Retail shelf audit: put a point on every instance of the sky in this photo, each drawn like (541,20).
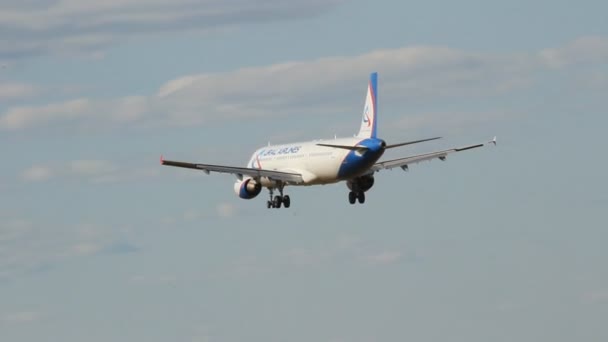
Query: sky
(98,242)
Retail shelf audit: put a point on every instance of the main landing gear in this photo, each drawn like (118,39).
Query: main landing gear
(358,186)
(354,196)
(278,200)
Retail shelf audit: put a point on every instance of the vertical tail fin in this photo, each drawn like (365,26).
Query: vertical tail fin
(370,111)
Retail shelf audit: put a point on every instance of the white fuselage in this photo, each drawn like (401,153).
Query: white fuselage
(316,164)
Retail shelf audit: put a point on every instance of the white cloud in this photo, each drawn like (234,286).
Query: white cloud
(385,257)
(202,334)
(91,167)
(14,228)
(222,210)
(156,279)
(36,27)
(37,173)
(307,257)
(344,249)
(585,50)
(226,210)
(248,266)
(86,248)
(326,85)
(505,305)
(176,85)
(89,113)
(289,88)
(347,242)
(596,296)
(11,91)
(21,117)
(448,121)
(192,215)
(20,317)
(91,170)
(27,246)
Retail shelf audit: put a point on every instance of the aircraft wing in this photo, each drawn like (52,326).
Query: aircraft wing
(287,177)
(404,162)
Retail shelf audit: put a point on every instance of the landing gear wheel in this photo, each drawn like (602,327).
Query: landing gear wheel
(352,197)
(269,204)
(361,197)
(286,201)
(276,203)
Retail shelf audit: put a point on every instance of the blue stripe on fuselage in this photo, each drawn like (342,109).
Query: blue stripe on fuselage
(355,163)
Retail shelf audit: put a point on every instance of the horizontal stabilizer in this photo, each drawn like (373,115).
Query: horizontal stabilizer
(411,142)
(345,147)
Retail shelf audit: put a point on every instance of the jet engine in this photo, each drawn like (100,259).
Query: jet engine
(362,183)
(247,188)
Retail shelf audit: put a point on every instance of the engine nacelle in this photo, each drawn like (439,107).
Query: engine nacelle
(247,188)
(362,183)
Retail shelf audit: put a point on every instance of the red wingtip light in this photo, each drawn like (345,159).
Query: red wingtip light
(161,159)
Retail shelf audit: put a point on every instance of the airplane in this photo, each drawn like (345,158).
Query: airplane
(351,160)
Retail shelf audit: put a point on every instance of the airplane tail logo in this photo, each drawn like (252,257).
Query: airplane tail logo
(368,125)
(366,118)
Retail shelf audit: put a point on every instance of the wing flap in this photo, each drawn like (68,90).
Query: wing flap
(441,155)
(239,171)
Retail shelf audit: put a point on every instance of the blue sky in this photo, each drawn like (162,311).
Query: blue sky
(100,243)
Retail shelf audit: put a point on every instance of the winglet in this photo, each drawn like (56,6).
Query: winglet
(162,161)
(494,141)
